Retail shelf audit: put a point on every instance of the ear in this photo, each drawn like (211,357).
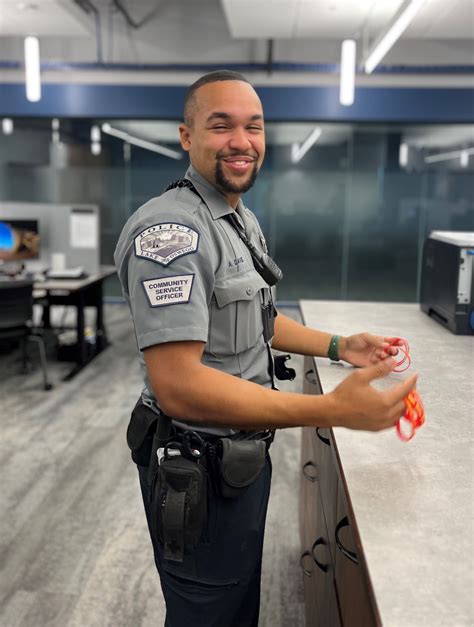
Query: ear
(185,136)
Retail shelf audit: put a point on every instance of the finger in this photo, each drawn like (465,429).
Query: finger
(398,392)
(385,353)
(380,369)
(377,341)
(398,413)
(393,341)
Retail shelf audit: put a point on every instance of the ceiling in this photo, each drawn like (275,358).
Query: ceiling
(340,19)
(43,18)
(219,31)
(245,19)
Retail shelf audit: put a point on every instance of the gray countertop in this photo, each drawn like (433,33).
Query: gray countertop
(413,502)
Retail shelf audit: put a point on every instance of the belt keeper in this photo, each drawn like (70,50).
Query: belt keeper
(333,350)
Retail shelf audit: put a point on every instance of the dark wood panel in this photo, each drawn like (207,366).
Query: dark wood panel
(321,441)
(311,382)
(328,610)
(308,493)
(316,562)
(351,580)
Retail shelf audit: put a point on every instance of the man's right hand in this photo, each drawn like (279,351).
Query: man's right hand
(356,404)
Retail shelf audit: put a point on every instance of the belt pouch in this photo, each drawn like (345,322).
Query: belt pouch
(140,432)
(179,505)
(240,464)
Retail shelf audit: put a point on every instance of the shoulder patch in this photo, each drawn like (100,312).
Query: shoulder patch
(169,290)
(165,242)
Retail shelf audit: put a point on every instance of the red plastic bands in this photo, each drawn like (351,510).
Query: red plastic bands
(414,415)
(402,346)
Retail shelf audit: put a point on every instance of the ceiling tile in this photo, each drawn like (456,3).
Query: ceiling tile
(43,18)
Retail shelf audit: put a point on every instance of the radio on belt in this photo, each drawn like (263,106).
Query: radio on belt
(447,287)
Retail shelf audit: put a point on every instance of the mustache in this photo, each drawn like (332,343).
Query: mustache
(237,153)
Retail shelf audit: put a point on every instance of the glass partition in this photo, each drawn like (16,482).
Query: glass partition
(345,220)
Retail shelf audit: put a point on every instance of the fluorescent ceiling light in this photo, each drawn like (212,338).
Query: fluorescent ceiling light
(95,140)
(299,150)
(402,19)
(95,133)
(464,158)
(446,156)
(32,69)
(96,148)
(403,155)
(55,134)
(348,63)
(141,143)
(7,126)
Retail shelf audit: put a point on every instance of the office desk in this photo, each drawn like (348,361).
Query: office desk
(387,525)
(79,293)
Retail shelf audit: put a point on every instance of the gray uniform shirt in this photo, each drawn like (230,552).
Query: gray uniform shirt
(187,275)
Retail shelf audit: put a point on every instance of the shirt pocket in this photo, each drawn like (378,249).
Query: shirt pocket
(236,316)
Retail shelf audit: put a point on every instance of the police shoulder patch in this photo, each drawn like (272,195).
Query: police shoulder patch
(165,242)
(169,290)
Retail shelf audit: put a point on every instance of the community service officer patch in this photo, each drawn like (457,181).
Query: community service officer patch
(169,290)
(165,242)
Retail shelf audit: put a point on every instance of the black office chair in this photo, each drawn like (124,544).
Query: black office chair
(16,315)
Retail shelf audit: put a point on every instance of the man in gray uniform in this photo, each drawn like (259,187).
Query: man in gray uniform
(195,272)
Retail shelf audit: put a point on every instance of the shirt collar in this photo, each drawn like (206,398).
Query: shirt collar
(216,202)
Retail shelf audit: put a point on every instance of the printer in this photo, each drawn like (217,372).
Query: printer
(447,287)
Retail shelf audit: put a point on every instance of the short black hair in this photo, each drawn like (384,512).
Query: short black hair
(210,77)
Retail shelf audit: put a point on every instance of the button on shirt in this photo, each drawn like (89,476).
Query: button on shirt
(187,275)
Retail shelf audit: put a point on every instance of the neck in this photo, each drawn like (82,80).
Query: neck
(233,200)
(231,197)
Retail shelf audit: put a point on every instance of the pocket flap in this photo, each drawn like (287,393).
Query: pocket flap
(238,287)
(242,461)
(142,421)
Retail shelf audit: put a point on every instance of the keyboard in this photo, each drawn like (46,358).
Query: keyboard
(66,273)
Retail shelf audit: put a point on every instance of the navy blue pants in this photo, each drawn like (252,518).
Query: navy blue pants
(218,585)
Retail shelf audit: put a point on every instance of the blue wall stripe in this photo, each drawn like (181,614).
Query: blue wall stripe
(277,66)
(372,104)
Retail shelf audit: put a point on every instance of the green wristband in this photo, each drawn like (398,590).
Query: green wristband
(333,350)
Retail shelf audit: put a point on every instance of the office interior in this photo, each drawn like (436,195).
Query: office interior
(347,198)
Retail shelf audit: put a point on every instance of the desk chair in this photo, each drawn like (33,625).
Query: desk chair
(16,314)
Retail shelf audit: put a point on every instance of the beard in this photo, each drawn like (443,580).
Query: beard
(240,187)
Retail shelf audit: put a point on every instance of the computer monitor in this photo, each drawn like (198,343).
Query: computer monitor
(19,239)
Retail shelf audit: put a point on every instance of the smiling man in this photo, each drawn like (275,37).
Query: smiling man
(196,274)
(224,146)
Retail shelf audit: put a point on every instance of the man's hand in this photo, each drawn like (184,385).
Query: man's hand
(365,349)
(357,405)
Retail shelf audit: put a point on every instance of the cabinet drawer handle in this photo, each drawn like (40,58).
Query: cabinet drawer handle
(326,441)
(319,541)
(307,474)
(349,554)
(311,377)
(308,573)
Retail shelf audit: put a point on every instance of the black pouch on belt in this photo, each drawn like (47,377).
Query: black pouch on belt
(179,505)
(240,463)
(140,432)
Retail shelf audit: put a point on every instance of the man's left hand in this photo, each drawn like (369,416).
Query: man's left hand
(365,349)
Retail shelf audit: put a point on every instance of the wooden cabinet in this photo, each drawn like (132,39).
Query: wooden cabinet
(356,600)
(316,559)
(337,589)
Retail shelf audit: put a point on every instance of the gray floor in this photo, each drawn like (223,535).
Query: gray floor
(74,549)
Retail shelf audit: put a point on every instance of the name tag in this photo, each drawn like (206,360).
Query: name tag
(170,290)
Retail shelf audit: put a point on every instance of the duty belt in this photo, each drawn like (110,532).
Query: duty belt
(194,445)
